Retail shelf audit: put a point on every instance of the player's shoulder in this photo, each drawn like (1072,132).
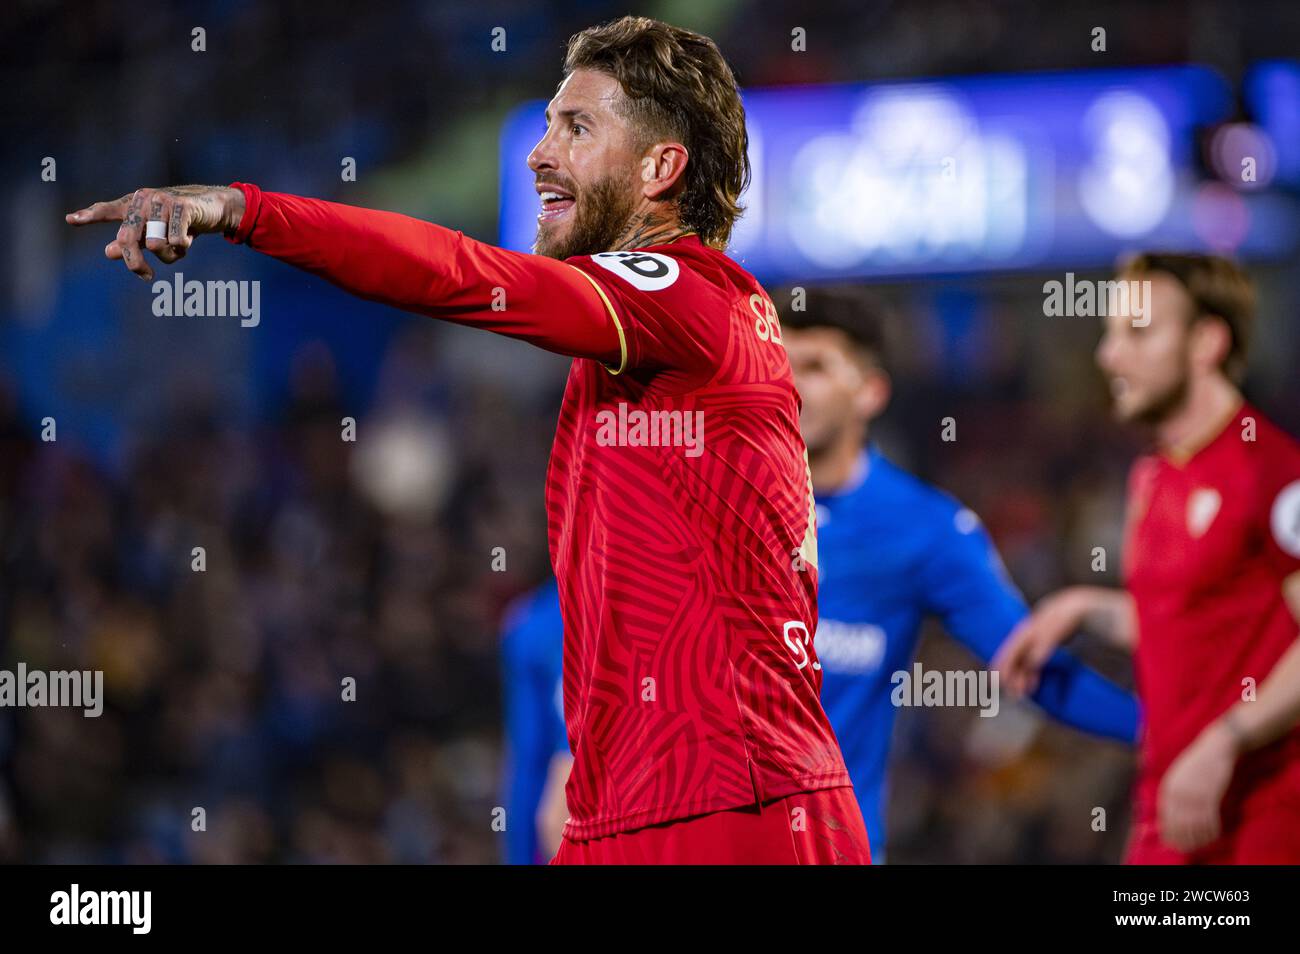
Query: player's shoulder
(1271,457)
(1255,454)
(918,502)
(1264,441)
(712,265)
(685,265)
(677,302)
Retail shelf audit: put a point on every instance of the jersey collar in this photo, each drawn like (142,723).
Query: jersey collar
(1182,454)
(861,468)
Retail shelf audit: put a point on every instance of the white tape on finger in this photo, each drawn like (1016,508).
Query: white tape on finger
(155,228)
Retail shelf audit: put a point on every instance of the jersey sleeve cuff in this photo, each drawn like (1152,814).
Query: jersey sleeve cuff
(252,208)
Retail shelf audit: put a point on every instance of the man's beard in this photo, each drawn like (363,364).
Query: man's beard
(824,440)
(1162,405)
(600,218)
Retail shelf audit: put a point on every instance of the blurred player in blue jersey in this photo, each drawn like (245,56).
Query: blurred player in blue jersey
(536,747)
(892,551)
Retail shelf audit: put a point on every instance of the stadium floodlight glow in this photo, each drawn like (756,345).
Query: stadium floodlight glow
(984,173)
(1127,185)
(1272,95)
(901,162)
(1243,155)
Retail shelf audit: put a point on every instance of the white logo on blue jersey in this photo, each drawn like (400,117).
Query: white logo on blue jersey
(850,648)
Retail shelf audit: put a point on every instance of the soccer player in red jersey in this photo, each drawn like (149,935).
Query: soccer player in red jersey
(1211,594)
(680,508)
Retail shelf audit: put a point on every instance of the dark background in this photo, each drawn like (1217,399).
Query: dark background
(328,559)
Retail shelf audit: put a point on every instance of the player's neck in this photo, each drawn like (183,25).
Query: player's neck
(834,467)
(1211,404)
(649,227)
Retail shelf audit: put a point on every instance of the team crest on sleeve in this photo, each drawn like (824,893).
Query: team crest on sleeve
(1285,519)
(648,271)
(1202,507)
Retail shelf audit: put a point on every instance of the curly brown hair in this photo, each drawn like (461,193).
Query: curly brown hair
(678,87)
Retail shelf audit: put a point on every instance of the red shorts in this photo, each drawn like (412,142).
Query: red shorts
(812,828)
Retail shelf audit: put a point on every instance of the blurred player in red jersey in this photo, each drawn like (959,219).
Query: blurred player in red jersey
(680,508)
(1211,575)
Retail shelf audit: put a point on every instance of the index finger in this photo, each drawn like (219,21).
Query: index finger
(112,211)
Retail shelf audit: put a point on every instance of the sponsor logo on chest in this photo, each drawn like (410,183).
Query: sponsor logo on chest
(850,648)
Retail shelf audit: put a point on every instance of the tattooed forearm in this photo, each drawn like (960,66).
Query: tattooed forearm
(208,198)
(192,189)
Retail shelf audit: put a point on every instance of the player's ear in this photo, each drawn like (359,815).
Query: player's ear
(1211,342)
(663,170)
(873,396)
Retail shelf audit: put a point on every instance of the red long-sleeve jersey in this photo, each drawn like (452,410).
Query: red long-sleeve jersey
(681,520)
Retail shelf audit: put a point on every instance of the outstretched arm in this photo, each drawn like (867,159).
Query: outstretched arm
(1081,698)
(380,256)
(1106,612)
(969,590)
